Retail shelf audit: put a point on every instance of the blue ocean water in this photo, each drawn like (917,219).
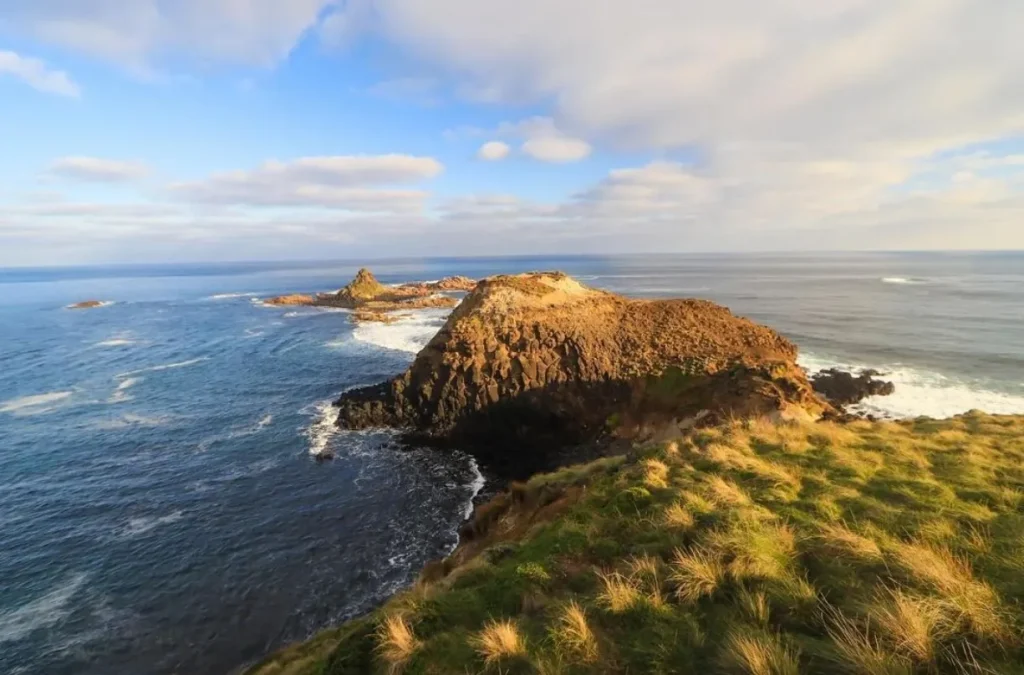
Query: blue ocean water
(160,510)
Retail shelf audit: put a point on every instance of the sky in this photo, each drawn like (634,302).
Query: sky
(206,130)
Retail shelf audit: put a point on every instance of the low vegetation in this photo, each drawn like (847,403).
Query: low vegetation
(753,548)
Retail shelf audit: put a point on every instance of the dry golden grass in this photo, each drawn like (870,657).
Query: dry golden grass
(396,642)
(696,574)
(726,492)
(758,550)
(499,640)
(655,474)
(913,625)
(573,634)
(619,594)
(974,603)
(841,540)
(858,652)
(758,653)
(755,606)
(676,516)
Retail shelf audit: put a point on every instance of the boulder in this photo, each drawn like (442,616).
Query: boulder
(454,283)
(534,361)
(842,388)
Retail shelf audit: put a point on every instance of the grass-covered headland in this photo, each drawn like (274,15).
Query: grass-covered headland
(874,548)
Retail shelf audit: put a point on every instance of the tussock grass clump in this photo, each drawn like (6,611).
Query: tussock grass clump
(620,594)
(869,548)
(499,640)
(696,574)
(756,652)
(396,642)
(573,635)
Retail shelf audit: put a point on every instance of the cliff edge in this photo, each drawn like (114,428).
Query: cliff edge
(535,360)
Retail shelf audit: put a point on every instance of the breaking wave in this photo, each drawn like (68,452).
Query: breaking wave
(121,394)
(409,334)
(923,393)
(902,280)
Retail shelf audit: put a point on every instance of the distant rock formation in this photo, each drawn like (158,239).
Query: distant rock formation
(374,299)
(534,360)
(369,316)
(288,300)
(88,304)
(455,283)
(842,388)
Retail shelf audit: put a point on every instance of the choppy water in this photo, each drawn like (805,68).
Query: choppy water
(159,508)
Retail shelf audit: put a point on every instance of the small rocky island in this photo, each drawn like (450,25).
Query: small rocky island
(89,304)
(534,362)
(373,301)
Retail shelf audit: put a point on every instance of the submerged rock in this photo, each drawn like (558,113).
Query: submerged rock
(532,361)
(843,388)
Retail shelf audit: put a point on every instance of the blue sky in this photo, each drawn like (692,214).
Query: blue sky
(254,129)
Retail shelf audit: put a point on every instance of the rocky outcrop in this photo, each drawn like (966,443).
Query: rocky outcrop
(366,293)
(369,316)
(842,388)
(537,360)
(88,304)
(290,300)
(455,283)
(373,299)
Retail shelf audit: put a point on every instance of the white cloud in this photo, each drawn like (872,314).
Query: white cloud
(38,75)
(100,170)
(662,73)
(556,149)
(249,32)
(493,151)
(332,182)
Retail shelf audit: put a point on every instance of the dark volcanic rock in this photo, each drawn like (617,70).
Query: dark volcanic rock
(530,362)
(842,388)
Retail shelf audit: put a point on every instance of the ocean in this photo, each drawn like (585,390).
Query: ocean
(160,509)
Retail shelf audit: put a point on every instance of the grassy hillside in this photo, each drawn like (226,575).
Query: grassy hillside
(884,548)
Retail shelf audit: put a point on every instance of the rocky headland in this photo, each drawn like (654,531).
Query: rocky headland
(533,362)
(373,301)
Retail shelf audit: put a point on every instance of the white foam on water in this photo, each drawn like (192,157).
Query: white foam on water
(138,526)
(131,420)
(902,280)
(166,366)
(117,340)
(250,333)
(475,486)
(323,428)
(409,335)
(121,394)
(229,296)
(237,432)
(922,392)
(36,404)
(42,612)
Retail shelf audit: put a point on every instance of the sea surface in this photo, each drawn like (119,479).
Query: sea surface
(160,508)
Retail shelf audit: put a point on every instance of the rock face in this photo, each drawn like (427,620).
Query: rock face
(842,388)
(530,361)
(87,304)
